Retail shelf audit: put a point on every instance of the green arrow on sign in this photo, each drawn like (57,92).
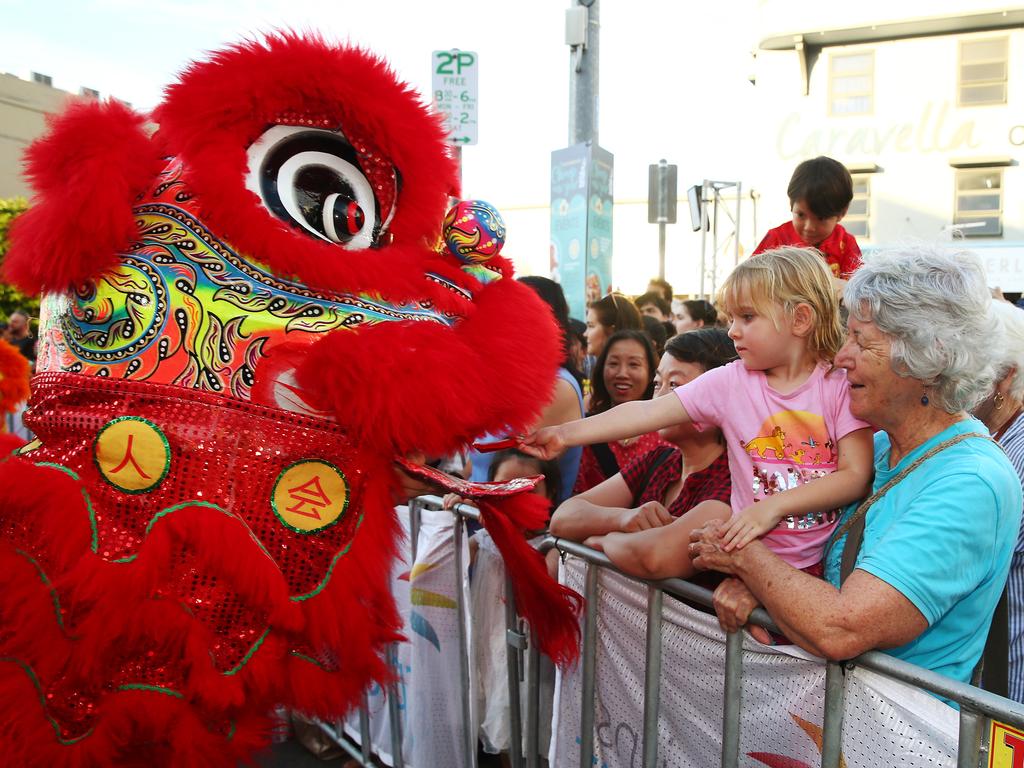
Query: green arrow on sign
(461,140)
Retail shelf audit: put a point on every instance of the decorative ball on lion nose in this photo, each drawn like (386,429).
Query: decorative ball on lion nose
(474,231)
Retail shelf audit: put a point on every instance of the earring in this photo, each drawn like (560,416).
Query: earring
(998,400)
(924,399)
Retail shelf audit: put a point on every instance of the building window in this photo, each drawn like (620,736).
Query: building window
(983,66)
(858,216)
(979,202)
(851,83)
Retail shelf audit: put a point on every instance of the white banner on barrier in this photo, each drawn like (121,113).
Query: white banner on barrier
(885,723)
(429,691)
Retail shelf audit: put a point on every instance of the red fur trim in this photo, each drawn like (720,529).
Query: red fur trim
(354,617)
(13,377)
(120,611)
(87,171)
(552,609)
(27,603)
(434,388)
(132,728)
(221,106)
(9,443)
(43,512)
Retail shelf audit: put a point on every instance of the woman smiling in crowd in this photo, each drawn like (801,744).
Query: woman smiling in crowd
(624,372)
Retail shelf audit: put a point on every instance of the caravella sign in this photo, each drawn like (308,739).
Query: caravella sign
(933,131)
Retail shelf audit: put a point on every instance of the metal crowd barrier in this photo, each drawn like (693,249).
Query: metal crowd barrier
(977,706)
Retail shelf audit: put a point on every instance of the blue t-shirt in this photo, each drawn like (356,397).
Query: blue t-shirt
(568,465)
(943,537)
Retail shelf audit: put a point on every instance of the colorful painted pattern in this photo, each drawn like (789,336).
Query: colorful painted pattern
(183,308)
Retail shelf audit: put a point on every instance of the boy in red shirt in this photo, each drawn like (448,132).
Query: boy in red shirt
(820,191)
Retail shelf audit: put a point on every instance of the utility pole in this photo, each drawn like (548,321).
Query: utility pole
(582,34)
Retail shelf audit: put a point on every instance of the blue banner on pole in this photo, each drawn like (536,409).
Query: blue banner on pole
(581,223)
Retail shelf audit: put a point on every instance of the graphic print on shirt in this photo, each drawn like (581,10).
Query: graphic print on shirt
(791,448)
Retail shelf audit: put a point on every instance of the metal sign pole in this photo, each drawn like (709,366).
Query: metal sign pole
(584,74)
(703,234)
(662,214)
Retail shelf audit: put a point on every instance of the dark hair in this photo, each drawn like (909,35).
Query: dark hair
(552,295)
(600,399)
(547,467)
(707,347)
(702,310)
(825,186)
(664,288)
(654,297)
(655,331)
(617,312)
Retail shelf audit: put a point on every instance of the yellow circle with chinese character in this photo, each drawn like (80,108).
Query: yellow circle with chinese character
(132,454)
(309,496)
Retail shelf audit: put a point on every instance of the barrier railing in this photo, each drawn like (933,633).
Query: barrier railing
(977,707)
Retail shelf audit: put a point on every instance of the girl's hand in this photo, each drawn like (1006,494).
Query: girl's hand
(594,542)
(450,501)
(650,514)
(546,443)
(752,523)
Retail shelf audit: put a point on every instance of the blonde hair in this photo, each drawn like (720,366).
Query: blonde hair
(786,277)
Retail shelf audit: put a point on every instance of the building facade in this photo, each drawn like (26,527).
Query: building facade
(927,113)
(24,105)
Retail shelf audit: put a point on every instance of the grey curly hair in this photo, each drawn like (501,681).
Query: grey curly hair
(1011,353)
(934,304)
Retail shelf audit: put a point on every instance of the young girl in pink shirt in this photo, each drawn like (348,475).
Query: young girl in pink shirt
(796,454)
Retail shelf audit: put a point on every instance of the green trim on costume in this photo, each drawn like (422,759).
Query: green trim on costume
(153,688)
(49,585)
(205,505)
(95,545)
(245,659)
(311,660)
(330,569)
(42,700)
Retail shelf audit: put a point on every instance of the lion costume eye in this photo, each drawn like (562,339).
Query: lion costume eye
(312,178)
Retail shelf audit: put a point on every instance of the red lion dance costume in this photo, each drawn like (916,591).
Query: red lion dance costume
(247,319)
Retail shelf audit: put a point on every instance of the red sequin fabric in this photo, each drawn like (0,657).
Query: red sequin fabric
(186,544)
(225,453)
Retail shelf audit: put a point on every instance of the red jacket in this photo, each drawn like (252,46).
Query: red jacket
(840,248)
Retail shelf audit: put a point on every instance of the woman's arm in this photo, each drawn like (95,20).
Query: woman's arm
(866,613)
(622,421)
(850,482)
(661,553)
(563,406)
(603,509)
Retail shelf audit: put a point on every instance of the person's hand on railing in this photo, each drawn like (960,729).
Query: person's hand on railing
(733,604)
(452,500)
(650,514)
(545,443)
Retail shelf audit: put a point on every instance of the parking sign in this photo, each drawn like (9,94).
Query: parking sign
(454,80)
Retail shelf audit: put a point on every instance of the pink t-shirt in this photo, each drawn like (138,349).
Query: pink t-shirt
(777,442)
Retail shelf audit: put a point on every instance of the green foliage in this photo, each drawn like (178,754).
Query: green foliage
(10,297)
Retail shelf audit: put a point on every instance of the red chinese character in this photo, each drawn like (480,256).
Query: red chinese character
(130,459)
(309,493)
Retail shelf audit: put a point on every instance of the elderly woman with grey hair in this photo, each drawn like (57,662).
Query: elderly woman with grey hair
(1001,413)
(917,568)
